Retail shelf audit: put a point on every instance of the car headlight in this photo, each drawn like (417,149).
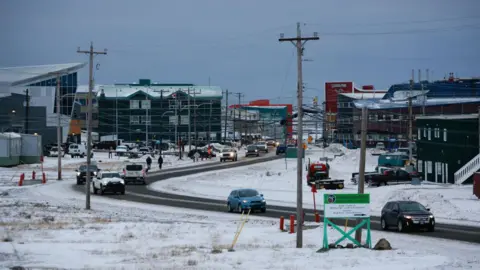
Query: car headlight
(94,173)
(244,201)
(256,150)
(231,154)
(407,217)
(431,216)
(263,201)
(78,173)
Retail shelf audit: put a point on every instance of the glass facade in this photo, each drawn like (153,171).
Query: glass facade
(68,88)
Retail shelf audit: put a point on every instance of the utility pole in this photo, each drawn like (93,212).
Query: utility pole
(116,116)
(361,175)
(59,131)
(478,129)
(195,117)
(226,117)
(91,53)
(410,118)
(146,121)
(189,120)
(27,110)
(299,42)
(239,95)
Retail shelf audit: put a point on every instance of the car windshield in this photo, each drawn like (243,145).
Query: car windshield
(111,175)
(54,149)
(413,206)
(260,143)
(247,193)
(281,145)
(91,168)
(227,150)
(290,145)
(134,167)
(251,147)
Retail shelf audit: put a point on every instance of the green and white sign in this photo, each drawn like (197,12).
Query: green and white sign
(346,205)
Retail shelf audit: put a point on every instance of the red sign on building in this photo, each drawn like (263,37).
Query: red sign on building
(331,92)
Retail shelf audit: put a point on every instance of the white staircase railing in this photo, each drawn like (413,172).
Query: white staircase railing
(467,170)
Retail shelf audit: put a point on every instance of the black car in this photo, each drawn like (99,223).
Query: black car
(407,215)
(82,173)
(202,153)
(252,151)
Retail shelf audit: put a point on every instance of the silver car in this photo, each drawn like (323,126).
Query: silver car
(262,146)
(228,154)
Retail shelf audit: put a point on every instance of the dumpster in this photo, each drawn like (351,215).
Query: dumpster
(476,184)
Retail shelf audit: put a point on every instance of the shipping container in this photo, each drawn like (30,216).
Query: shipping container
(10,149)
(31,149)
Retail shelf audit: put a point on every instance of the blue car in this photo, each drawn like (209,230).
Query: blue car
(243,199)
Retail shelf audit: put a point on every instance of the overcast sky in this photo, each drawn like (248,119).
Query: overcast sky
(235,43)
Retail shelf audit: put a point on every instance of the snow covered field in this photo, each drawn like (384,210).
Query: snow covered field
(10,176)
(46,227)
(277,181)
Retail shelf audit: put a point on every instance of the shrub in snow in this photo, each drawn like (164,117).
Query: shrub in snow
(382,244)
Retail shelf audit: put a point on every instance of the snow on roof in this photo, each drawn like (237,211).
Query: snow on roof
(10,135)
(449,117)
(124,91)
(370,95)
(388,104)
(84,88)
(30,74)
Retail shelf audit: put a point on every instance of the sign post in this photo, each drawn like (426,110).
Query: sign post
(346,206)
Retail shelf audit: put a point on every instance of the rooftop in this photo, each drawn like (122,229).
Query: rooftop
(364,95)
(389,104)
(450,117)
(124,91)
(17,76)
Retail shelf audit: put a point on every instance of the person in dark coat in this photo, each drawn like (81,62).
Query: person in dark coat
(160,162)
(149,162)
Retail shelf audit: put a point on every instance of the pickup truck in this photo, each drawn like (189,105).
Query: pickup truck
(397,176)
(378,170)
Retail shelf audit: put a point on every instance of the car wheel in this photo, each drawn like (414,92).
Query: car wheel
(229,207)
(82,156)
(383,224)
(239,208)
(79,182)
(123,192)
(95,190)
(263,210)
(102,191)
(400,226)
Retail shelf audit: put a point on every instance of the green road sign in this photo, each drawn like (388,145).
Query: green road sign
(346,198)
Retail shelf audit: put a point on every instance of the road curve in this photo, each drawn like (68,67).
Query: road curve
(140,193)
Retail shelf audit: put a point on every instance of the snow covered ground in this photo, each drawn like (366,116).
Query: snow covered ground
(277,181)
(46,227)
(11,176)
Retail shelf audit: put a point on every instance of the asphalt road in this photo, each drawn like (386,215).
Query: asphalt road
(140,193)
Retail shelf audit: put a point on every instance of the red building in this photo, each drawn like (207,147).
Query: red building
(332,89)
(266,103)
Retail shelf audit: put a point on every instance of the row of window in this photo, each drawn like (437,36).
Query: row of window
(427,133)
(140,104)
(440,171)
(372,118)
(172,104)
(140,119)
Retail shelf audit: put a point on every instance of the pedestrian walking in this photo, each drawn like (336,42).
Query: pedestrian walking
(149,162)
(160,162)
(110,152)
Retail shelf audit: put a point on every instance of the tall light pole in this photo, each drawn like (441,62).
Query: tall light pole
(146,119)
(189,118)
(116,116)
(299,41)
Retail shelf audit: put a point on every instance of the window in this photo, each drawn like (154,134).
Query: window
(134,119)
(429,167)
(145,119)
(134,104)
(429,134)
(436,132)
(146,104)
(419,133)
(438,168)
(424,132)
(445,134)
(420,166)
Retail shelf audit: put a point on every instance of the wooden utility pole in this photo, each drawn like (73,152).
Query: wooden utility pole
(91,53)
(239,95)
(410,118)
(361,174)
(299,42)
(27,110)
(226,117)
(59,131)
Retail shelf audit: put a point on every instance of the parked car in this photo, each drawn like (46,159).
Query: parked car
(252,151)
(203,153)
(281,149)
(134,173)
(82,173)
(108,181)
(54,152)
(394,159)
(229,154)
(243,199)
(121,150)
(406,215)
(262,146)
(145,150)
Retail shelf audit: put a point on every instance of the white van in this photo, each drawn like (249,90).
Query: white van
(77,150)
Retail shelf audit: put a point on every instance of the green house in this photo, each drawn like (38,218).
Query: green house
(445,144)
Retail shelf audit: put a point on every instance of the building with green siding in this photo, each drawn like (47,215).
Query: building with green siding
(445,144)
(155,111)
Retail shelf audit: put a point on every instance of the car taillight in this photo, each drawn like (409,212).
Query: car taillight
(385,173)
(124,172)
